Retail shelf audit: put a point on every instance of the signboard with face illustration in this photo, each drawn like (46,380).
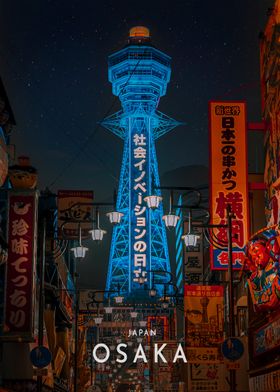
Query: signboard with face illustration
(262,269)
(74,206)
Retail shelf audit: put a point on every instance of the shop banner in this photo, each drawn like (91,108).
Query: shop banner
(204,316)
(21,268)
(228,179)
(74,206)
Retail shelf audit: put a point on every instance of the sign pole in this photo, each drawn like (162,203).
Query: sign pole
(41,298)
(76,340)
(232,373)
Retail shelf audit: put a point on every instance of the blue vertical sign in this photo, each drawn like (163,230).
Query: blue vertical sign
(139,171)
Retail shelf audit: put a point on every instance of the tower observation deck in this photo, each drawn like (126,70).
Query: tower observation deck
(139,74)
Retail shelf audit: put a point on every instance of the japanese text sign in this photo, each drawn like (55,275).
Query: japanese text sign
(74,206)
(20,272)
(229,179)
(204,316)
(193,259)
(139,158)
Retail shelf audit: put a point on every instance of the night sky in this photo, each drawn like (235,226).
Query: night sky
(53,62)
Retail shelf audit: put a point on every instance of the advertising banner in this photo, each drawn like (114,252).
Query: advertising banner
(204,317)
(228,179)
(21,269)
(74,206)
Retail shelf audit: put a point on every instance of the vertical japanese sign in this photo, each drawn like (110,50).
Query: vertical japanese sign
(71,206)
(21,267)
(139,158)
(229,179)
(204,322)
(193,259)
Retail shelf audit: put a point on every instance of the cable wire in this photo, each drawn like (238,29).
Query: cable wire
(92,134)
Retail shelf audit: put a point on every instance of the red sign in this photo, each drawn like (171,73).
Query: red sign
(20,272)
(229,180)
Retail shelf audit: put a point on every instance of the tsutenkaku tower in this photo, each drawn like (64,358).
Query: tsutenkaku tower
(139,74)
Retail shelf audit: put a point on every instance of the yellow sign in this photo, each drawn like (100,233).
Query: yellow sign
(203,355)
(228,179)
(204,318)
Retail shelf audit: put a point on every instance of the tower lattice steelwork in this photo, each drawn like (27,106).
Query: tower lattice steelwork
(139,74)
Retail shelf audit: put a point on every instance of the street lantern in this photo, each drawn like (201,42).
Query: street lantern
(142,323)
(97,233)
(171,220)
(133,314)
(115,217)
(108,310)
(153,201)
(80,250)
(98,320)
(190,239)
(119,299)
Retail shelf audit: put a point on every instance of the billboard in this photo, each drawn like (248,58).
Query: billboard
(204,323)
(228,179)
(74,206)
(21,268)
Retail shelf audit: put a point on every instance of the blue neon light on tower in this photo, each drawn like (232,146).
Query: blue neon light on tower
(139,74)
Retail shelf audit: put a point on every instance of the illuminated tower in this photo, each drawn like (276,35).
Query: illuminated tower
(139,74)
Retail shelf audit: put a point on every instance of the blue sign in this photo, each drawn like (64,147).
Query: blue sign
(40,356)
(232,349)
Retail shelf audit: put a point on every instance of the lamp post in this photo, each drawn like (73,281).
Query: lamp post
(79,254)
(190,239)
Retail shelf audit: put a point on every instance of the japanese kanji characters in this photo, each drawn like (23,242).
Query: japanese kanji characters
(19,290)
(139,144)
(229,180)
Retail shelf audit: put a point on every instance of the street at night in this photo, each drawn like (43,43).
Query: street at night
(140,196)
